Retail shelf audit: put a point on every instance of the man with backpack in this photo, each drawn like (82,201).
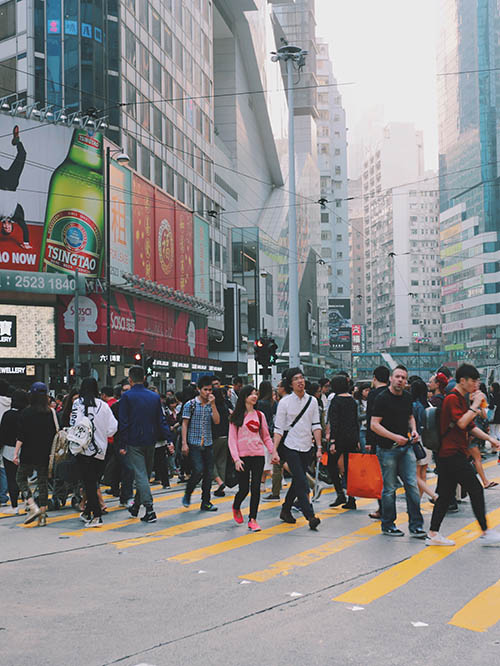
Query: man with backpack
(142,424)
(198,415)
(456,424)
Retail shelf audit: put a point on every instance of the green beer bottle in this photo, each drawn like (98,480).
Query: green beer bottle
(74,218)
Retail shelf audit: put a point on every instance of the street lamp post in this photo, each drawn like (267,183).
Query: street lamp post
(291,55)
(121,158)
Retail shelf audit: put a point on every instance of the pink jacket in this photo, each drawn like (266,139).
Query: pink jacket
(249,440)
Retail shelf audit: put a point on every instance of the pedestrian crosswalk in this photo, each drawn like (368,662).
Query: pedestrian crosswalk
(121,532)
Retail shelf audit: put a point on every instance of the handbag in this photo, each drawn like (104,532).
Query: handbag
(419,451)
(59,450)
(281,447)
(364,477)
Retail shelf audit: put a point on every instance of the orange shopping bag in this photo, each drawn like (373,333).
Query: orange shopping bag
(364,478)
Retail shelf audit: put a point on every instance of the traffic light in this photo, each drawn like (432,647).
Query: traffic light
(265,352)
(72,372)
(149,365)
(259,351)
(138,358)
(273,351)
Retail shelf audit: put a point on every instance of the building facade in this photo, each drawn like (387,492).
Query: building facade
(468,178)
(400,213)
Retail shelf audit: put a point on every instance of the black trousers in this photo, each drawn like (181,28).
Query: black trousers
(90,471)
(13,488)
(249,479)
(298,463)
(161,466)
(452,470)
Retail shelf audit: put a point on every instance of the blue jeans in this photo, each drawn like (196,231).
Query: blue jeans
(3,486)
(362,440)
(202,464)
(141,460)
(399,462)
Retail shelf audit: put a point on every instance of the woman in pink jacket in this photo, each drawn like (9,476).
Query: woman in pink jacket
(248,434)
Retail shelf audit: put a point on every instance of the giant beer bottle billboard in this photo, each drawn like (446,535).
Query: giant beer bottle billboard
(74,216)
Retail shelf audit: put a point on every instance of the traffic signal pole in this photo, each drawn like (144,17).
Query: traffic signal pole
(76,326)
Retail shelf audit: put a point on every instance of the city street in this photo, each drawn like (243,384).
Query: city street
(196,588)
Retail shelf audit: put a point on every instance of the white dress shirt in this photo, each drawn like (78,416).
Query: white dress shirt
(300,436)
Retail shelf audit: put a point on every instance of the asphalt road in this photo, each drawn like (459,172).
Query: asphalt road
(196,588)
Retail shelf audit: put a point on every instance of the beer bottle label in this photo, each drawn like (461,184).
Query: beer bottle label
(73,242)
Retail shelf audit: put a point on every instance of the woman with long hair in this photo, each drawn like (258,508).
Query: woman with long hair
(37,427)
(91,461)
(248,435)
(342,436)
(9,427)
(419,391)
(67,405)
(219,436)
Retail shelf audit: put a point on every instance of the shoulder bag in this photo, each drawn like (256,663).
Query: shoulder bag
(59,450)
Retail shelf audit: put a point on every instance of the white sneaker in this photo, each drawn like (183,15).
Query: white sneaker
(10,510)
(491,538)
(95,522)
(438,540)
(33,511)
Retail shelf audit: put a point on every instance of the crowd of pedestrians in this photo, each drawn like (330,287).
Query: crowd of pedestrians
(223,437)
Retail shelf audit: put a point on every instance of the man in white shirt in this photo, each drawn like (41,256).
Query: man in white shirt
(296,450)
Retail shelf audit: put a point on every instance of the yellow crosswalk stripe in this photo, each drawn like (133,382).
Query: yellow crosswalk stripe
(480,613)
(171,512)
(312,555)
(402,573)
(71,516)
(238,542)
(106,527)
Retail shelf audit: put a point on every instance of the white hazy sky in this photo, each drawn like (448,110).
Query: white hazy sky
(388,48)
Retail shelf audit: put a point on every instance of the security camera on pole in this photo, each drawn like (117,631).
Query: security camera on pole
(294,56)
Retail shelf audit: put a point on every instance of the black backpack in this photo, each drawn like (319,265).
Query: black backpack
(431,428)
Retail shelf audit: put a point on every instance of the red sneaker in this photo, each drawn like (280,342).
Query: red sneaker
(237,516)
(253,525)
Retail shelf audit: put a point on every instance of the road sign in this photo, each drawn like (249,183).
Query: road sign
(40,283)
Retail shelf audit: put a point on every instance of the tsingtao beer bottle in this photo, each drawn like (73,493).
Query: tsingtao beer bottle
(74,218)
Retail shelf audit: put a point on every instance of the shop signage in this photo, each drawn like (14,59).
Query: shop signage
(8,328)
(39,283)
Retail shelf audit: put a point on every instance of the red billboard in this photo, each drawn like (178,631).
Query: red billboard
(143,198)
(133,321)
(184,250)
(165,239)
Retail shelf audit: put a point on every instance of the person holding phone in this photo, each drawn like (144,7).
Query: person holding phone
(394,424)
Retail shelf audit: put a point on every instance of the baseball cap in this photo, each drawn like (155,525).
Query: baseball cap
(39,387)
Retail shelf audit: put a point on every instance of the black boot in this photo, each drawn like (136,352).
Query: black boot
(341,499)
(350,504)
(286,516)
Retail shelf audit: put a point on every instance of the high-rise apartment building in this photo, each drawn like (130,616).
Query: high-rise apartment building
(400,213)
(469,105)
(356,252)
(332,158)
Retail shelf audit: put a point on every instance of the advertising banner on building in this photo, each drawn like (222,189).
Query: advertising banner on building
(184,273)
(358,339)
(201,259)
(165,239)
(51,198)
(121,222)
(339,324)
(143,227)
(27,332)
(134,321)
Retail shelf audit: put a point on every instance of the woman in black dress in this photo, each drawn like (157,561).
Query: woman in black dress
(343,437)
